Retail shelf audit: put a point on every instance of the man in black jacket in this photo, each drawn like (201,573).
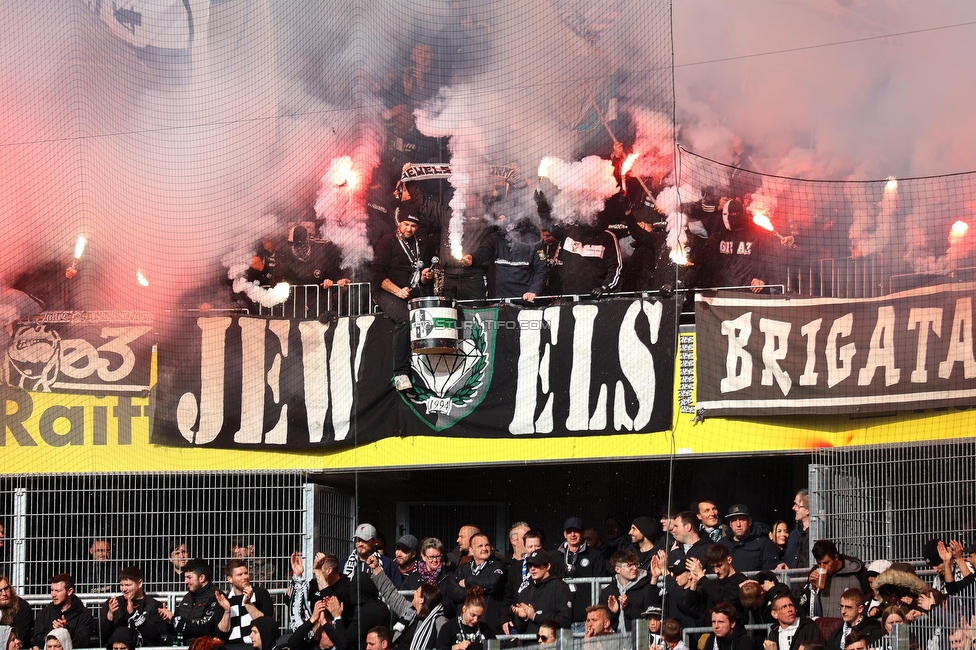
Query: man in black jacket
(401,265)
(133,611)
(789,630)
(15,611)
(725,587)
(546,599)
(485,571)
(631,592)
(202,612)
(574,559)
(64,611)
(727,633)
(750,546)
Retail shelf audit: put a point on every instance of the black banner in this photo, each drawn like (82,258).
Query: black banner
(762,355)
(571,370)
(99,352)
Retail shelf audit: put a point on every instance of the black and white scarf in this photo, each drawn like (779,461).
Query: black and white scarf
(426,629)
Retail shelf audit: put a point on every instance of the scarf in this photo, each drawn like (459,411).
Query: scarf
(353,564)
(525,577)
(425,629)
(427,575)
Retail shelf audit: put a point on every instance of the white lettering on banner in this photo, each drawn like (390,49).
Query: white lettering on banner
(775,348)
(533,370)
(637,366)
(840,357)
(960,342)
(924,319)
(579,378)
(315,363)
(738,362)
(810,330)
(210,410)
(119,338)
(839,361)
(253,380)
(882,352)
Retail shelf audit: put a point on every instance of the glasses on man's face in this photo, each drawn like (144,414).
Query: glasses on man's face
(543,638)
(4,589)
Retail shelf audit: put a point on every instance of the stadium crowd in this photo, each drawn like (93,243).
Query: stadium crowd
(687,569)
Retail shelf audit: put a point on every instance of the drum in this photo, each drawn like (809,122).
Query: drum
(433,325)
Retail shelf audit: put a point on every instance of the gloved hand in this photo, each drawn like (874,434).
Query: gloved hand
(598,292)
(667,290)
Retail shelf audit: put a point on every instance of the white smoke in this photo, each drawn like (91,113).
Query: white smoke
(582,188)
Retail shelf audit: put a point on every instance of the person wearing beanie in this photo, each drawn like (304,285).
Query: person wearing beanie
(264,633)
(642,536)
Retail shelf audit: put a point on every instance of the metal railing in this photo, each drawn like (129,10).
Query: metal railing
(312,301)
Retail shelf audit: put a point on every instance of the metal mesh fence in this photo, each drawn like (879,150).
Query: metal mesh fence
(91,526)
(887,501)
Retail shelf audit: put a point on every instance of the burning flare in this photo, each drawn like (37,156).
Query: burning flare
(892,184)
(141,278)
(958,231)
(761,220)
(628,164)
(544,167)
(80,246)
(342,174)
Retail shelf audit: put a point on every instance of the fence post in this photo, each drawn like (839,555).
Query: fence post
(565,639)
(899,637)
(308,525)
(642,636)
(19,560)
(493,644)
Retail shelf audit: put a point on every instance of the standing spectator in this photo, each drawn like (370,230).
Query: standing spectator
(516,261)
(484,571)
(546,598)
(682,601)
(170,573)
(725,588)
(64,612)
(843,572)
(797,553)
(199,613)
(576,560)
(15,611)
(405,556)
(684,529)
(99,572)
(711,529)
(515,534)
(246,601)
(431,567)
(134,612)
(462,552)
(259,569)
(597,621)
(779,533)
(418,621)
(631,592)
(519,578)
(750,546)
(789,630)
(401,264)
(642,537)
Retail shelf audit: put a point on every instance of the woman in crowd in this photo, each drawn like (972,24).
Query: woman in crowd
(467,631)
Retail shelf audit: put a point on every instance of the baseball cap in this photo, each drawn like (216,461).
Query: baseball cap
(364,532)
(573,522)
(408,543)
(538,557)
(738,510)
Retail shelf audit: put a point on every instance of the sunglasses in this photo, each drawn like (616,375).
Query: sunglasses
(543,638)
